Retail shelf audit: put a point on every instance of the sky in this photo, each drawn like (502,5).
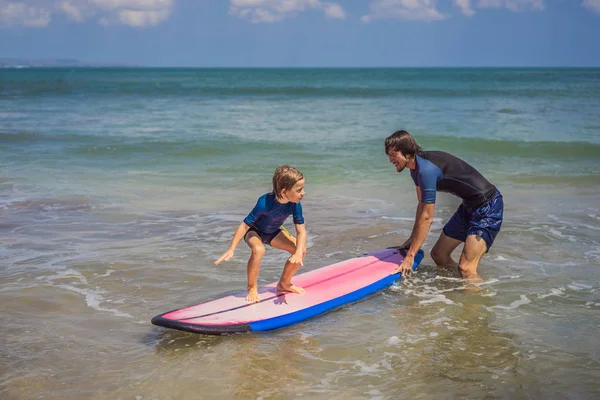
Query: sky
(305,33)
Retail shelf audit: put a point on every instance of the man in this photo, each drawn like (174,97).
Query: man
(477,220)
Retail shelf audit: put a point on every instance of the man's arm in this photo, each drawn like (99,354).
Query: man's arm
(423,221)
(419,210)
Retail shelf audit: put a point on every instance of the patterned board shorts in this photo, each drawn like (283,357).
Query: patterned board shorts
(484,221)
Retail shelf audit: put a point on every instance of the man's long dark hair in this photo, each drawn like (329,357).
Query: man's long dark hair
(403,142)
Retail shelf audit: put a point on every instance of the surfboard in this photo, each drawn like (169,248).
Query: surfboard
(326,288)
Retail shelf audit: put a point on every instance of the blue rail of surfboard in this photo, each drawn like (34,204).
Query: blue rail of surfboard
(299,316)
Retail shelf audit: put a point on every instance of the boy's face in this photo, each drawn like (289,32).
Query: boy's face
(296,193)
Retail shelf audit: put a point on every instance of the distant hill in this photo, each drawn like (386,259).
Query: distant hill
(54,62)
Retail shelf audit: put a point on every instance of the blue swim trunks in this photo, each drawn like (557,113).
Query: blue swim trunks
(484,221)
(266,238)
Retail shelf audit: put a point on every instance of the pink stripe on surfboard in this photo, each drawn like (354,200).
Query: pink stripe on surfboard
(321,285)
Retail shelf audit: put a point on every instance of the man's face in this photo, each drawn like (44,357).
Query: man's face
(398,159)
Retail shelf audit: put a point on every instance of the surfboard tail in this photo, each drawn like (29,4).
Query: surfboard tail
(218,330)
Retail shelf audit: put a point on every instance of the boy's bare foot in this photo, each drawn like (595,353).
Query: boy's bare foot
(252,296)
(290,288)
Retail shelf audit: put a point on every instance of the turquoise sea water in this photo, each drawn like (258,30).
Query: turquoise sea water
(120,187)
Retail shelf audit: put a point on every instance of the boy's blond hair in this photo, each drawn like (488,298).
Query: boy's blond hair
(285,177)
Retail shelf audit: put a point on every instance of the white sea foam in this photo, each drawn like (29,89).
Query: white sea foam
(515,304)
(447,278)
(393,341)
(439,298)
(439,321)
(488,282)
(489,294)
(398,218)
(374,394)
(553,292)
(183,231)
(65,274)
(107,273)
(577,286)
(93,298)
(559,234)
(594,254)
(373,369)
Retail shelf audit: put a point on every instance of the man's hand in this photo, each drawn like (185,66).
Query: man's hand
(406,266)
(228,255)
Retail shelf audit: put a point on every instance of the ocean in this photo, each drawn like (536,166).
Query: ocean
(119,188)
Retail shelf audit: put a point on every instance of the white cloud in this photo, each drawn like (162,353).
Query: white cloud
(72,11)
(424,10)
(333,10)
(39,13)
(513,5)
(275,10)
(141,18)
(12,13)
(465,7)
(592,5)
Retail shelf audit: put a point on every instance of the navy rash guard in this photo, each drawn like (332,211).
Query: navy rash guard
(437,170)
(268,214)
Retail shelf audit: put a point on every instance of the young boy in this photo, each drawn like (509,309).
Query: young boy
(264,226)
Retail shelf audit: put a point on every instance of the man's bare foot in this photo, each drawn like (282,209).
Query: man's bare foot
(252,296)
(290,288)
(472,285)
(473,278)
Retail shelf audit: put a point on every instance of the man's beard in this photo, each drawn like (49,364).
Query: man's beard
(403,167)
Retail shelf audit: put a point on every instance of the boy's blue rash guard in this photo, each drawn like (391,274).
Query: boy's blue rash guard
(437,170)
(268,214)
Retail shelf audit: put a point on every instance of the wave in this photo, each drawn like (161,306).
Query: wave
(299,92)
(507,147)
(509,111)
(90,145)
(21,137)
(304,83)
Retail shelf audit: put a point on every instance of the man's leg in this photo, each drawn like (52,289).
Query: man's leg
(475,248)
(483,228)
(442,251)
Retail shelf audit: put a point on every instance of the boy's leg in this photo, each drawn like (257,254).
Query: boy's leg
(288,243)
(258,251)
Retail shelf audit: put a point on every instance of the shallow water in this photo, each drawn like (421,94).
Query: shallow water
(116,197)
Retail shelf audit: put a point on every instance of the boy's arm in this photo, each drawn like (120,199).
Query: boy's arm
(298,256)
(239,234)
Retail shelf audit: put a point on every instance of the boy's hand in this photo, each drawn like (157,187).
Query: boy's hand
(296,259)
(228,255)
